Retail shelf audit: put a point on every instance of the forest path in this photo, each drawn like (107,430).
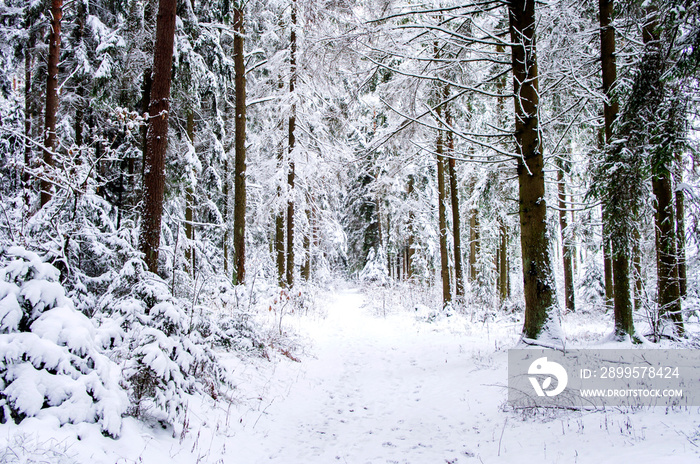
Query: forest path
(380,389)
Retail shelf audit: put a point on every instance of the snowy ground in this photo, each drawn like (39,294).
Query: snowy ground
(377,386)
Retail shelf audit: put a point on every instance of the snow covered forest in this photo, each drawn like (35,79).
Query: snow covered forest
(258,230)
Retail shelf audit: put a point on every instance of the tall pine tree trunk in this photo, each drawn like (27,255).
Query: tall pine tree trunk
(409,248)
(51,97)
(619,249)
(292,141)
(541,308)
(239,206)
(157,137)
(680,229)
(567,249)
(442,220)
(27,119)
(189,207)
(503,261)
(454,197)
(610,110)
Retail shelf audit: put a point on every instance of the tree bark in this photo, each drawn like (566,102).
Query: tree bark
(51,98)
(410,246)
(666,265)
(503,262)
(567,249)
(454,200)
(610,111)
(442,220)
(541,308)
(280,255)
(474,244)
(157,138)
(239,206)
(27,116)
(189,207)
(680,228)
(292,141)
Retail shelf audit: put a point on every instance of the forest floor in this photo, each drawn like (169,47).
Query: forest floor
(374,384)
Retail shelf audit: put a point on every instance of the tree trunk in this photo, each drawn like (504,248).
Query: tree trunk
(667,269)
(51,98)
(239,206)
(680,228)
(608,268)
(409,249)
(541,308)
(454,197)
(610,111)
(292,140)
(637,268)
(442,221)
(503,262)
(280,255)
(27,119)
(306,267)
(567,249)
(474,244)
(189,207)
(157,138)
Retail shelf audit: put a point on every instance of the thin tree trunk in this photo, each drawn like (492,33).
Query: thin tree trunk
(410,250)
(51,97)
(637,268)
(442,220)
(292,141)
(608,268)
(280,255)
(454,197)
(157,138)
(27,120)
(189,206)
(567,249)
(474,245)
(680,229)
(503,262)
(239,206)
(541,308)
(306,267)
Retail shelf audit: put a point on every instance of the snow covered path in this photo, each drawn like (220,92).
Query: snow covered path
(389,389)
(379,391)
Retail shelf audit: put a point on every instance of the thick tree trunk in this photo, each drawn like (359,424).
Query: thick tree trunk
(157,138)
(292,141)
(454,200)
(610,110)
(541,308)
(567,249)
(239,206)
(189,207)
(666,257)
(51,98)
(280,255)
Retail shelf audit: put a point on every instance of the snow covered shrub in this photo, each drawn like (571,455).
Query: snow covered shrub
(161,345)
(592,286)
(375,270)
(50,363)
